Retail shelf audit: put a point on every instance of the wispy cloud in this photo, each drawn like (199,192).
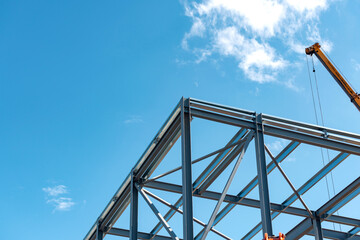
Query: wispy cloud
(61,203)
(53,197)
(277,145)
(56,190)
(251,31)
(133,119)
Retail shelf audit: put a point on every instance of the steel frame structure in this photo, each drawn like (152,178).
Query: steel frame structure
(252,127)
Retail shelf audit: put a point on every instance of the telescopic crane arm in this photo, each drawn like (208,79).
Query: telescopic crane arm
(354,97)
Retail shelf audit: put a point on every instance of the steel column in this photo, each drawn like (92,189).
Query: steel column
(99,232)
(317,227)
(133,211)
(262,177)
(188,228)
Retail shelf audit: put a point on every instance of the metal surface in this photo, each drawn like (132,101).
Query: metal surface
(188,229)
(133,210)
(158,214)
(226,188)
(262,176)
(252,129)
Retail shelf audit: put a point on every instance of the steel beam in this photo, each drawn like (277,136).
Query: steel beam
(225,156)
(327,209)
(336,235)
(226,188)
(158,214)
(254,182)
(188,228)
(289,182)
(316,221)
(340,199)
(302,190)
(141,235)
(133,211)
(273,130)
(153,155)
(180,211)
(219,169)
(179,124)
(262,177)
(99,232)
(354,230)
(248,202)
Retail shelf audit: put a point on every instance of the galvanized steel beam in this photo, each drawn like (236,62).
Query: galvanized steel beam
(262,176)
(179,124)
(327,209)
(226,188)
(336,235)
(141,235)
(188,228)
(225,156)
(133,211)
(302,190)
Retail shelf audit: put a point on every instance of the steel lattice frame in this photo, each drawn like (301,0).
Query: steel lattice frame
(253,127)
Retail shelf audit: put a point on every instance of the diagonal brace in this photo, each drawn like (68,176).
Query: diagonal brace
(288,181)
(226,188)
(157,213)
(181,212)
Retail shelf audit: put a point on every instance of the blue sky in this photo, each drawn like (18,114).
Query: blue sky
(85,85)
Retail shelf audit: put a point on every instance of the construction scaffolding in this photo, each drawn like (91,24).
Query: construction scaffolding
(252,127)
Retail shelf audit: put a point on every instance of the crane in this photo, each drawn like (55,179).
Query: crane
(350,92)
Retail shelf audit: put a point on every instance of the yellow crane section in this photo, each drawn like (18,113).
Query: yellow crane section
(354,96)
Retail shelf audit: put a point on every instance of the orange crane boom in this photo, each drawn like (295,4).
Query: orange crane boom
(354,96)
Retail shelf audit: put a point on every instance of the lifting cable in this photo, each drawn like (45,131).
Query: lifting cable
(322,123)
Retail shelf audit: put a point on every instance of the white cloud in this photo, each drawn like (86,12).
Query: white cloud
(255,59)
(56,190)
(309,7)
(61,203)
(53,198)
(134,119)
(252,31)
(247,12)
(277,145)
(197,29)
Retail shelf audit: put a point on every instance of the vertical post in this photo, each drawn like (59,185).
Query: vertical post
(133,210)
(186,171)
(262,176)
(317,227)
(99,232)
